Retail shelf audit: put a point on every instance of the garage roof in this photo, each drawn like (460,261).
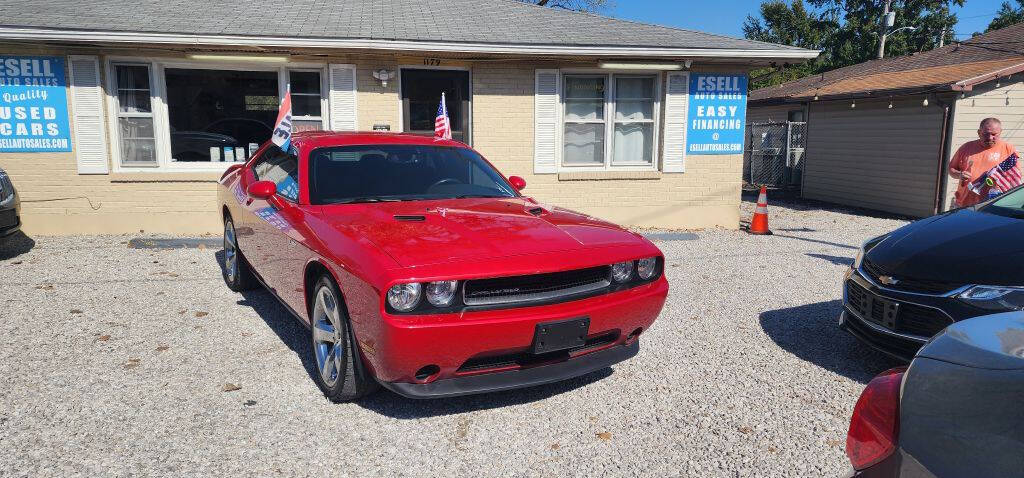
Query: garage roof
(957,67)
(454,25)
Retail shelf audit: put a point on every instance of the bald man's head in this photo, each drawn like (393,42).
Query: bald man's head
(989,131)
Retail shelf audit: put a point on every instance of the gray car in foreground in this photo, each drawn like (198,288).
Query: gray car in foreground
(958,410)
(10,206)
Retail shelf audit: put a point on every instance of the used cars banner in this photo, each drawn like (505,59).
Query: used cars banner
(33,105)
(717,113)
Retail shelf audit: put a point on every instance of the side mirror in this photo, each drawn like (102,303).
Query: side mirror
(262,190)
(517,182)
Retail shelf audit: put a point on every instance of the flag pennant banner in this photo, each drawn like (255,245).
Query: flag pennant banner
(1006,175)
(442,124)
(282,135)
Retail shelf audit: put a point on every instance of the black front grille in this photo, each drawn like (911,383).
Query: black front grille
(908,284)
(904,348)
(523,359)
(8,218)
(534,287)
(922,321)
(900,317)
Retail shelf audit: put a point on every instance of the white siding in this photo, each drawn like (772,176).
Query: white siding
(1005,103)
(873,156)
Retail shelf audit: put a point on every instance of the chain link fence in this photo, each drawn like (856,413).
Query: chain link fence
(774,156)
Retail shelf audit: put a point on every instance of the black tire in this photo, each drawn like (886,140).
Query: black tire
(344,379)
(236,270)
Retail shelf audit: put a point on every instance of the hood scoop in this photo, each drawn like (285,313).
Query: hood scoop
(410,218)
(537,211)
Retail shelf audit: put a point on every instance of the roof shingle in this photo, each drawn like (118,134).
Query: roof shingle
(938,68)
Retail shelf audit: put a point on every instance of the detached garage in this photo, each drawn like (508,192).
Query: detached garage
(880,134)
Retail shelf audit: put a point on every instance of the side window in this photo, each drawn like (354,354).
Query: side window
(283,169)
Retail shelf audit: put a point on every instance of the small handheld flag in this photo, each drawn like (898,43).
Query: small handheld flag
(442,125)
(1006,174)
(282,135)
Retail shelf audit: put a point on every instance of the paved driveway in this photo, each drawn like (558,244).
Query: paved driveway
(121,361)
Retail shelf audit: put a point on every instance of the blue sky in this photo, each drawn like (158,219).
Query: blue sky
(726,17)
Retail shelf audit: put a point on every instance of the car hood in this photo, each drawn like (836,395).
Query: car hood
(964,246)
(417,233)
(991,341)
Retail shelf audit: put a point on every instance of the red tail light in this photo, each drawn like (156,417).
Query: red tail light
(875,424)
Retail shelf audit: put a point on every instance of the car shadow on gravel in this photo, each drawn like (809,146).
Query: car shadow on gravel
(15,245)
(811,332)
(296,337)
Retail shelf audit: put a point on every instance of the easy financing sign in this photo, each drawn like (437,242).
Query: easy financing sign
(33,105)
(717,114)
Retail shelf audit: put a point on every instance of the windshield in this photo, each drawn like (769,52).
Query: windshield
(1010,204)
(371,173)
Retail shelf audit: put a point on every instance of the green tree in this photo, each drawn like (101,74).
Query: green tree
(847,31)
(1007,15)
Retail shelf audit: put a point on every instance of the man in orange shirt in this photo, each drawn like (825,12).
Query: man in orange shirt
(976,158)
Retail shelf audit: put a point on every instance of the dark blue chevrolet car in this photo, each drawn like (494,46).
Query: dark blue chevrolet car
(10,206)
(906,286)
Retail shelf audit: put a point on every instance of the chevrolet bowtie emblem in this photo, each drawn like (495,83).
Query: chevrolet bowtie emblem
(888,280)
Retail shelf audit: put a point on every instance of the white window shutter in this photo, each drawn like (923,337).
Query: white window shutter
(87,109)
(545,125)
(673,156)
(343,97)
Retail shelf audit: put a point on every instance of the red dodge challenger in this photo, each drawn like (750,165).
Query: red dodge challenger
(419,267)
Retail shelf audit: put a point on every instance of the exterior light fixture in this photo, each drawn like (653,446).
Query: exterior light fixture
(383,76)
(687,64)
(642,66)
(890,104)
(854,104)
(925,102)
(241,58)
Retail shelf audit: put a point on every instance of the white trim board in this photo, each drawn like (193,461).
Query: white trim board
(42,34)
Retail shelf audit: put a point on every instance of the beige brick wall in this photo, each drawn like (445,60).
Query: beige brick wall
(57,200)
(706,195)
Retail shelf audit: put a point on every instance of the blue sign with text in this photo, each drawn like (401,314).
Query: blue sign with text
(717,114)
(33,105)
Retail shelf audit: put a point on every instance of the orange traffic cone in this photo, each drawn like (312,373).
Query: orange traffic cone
(759,223)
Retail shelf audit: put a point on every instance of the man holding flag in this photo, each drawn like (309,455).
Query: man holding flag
(988,157)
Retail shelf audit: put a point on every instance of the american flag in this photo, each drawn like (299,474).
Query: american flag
(442,125)
(1006,174)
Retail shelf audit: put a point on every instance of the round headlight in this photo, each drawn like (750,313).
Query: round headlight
(645,267)
(405,297)
(441,293)
(622,271)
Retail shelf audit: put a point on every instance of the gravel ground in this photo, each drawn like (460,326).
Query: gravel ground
(122,362)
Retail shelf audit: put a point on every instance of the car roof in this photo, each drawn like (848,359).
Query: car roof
(317,139)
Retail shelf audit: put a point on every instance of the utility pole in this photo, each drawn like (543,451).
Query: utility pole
(942,37)
(888,20)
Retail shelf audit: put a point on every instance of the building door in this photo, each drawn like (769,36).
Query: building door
(421,96)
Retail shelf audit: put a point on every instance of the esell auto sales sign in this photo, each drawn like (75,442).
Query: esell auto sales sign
(33,105)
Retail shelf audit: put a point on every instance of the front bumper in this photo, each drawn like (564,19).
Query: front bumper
(511,379)
(10,216)
(485,343)
(898,336)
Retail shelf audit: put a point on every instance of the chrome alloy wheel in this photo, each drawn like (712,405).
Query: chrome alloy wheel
(230,251)
(328,336)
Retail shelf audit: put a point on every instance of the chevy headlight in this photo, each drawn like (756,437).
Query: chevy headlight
(405,297)
(622,271)
(441,293)
(645,268)
(996,298)
(865,247)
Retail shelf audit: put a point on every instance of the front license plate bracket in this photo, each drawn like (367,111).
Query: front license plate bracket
(560,335)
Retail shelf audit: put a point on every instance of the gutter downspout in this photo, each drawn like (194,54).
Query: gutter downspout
(940,179)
